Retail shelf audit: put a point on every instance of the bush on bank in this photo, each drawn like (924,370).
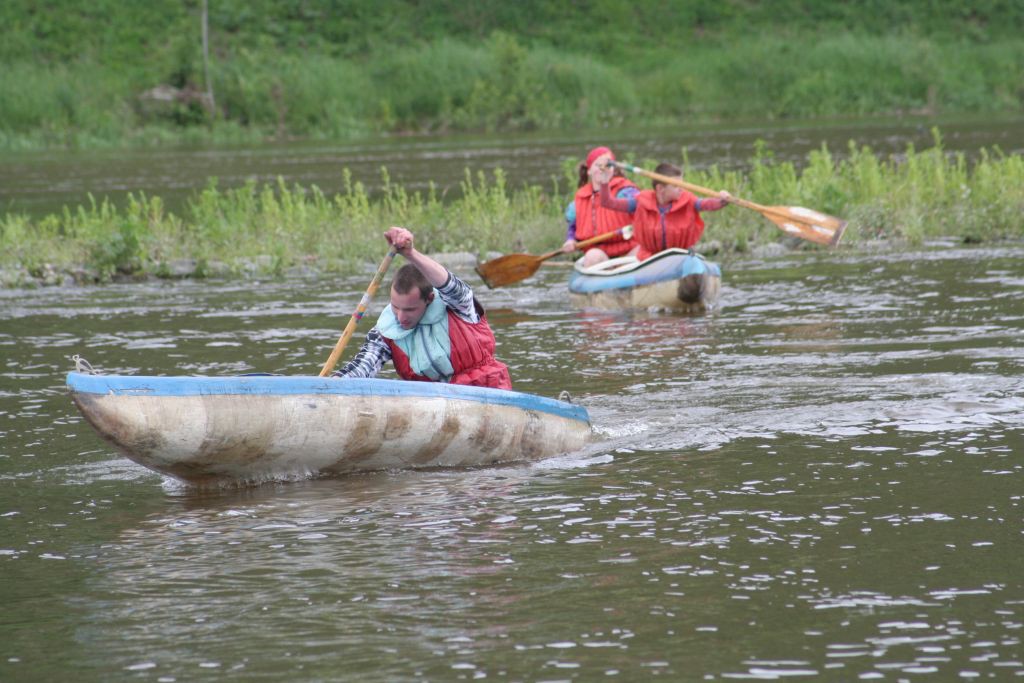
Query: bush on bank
(271,228)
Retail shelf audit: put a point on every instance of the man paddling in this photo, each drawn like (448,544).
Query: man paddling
(434,330)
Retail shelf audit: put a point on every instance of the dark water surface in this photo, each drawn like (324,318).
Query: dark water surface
(43,182)
(823,479)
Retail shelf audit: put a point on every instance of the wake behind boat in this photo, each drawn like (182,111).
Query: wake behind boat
(208,430)
(674,279)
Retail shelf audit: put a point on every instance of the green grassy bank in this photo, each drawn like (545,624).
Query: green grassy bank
(77,74)
(270,229)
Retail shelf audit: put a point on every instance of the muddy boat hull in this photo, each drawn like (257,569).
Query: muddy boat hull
(676,279)
(205,430)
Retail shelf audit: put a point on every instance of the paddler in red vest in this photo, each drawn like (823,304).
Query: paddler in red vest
(663,218)
(434,330)
(587,218)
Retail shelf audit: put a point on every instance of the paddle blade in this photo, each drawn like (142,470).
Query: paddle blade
(807,224)
(508,269)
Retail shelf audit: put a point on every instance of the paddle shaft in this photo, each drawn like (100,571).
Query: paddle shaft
(603,237)
(804,223)
(358,315)
(510,268)
(679,182)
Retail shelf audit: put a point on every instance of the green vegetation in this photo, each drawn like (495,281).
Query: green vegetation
(75,74)
(272,228)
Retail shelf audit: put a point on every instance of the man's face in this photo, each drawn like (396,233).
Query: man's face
(666,194)
(409,307)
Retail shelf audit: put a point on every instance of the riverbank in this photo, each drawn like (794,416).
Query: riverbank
(276,229)
(262,267)
(87,77)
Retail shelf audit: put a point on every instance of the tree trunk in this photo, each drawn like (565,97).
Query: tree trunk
(206,59)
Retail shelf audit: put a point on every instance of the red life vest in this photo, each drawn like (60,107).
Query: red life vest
(679,227)
(472,355)
(592,219)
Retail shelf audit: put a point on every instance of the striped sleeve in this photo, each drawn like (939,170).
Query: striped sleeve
(458,296)
(370,359)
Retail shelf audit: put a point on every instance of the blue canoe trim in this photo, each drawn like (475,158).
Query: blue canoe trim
(667,265)
(128,385)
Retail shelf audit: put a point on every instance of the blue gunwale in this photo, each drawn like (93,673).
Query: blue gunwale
(646,272)
(141,385)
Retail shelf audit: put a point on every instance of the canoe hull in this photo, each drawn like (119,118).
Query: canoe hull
(203,436)
(676,280)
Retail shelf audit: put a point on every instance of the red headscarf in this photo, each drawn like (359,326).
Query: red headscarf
(596,152)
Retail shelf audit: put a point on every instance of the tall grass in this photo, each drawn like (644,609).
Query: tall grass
(907,198)
(504,84)
(272,227)
(847,74)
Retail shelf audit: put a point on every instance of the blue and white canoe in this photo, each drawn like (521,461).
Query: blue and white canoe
(210,430)
(674,279)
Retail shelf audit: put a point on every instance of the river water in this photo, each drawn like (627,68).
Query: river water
(37,183)
(823,478)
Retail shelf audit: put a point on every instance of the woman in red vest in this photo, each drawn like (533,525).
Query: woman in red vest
(434,330)
(587,218)
(663,218)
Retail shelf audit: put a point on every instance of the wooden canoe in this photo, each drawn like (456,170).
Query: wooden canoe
(210,430)
(674,279)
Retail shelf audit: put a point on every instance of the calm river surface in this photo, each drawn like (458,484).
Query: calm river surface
(43,182)
(824,479)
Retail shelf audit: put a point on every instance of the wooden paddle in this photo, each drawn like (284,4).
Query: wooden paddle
(358,315)
(510,268)
(797,221)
